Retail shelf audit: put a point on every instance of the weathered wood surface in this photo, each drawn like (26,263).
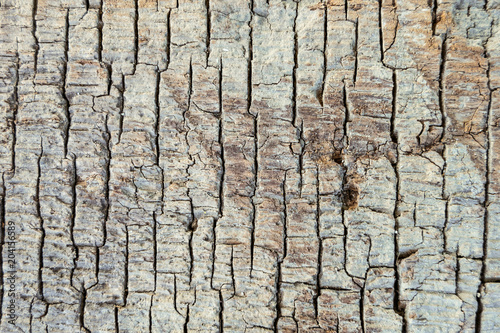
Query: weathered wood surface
(250,166)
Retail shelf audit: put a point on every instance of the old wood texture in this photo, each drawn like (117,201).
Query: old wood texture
(250,166)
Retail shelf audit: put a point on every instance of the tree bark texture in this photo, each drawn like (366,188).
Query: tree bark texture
(250,166)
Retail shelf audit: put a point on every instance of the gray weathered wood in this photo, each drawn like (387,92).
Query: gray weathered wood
(250,166)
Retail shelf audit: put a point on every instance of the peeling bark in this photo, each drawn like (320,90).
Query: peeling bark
(221,165)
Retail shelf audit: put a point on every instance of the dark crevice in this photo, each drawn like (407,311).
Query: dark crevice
(125,280)
(295,66)
(221,312)
(356,52)
(110,77)
(346,8)
(169,32)
(380,31)
(233,280)
(121,89)
(325,60)
(192,223)
(222,174)
(190,88)
(363,288)
(254,192)
(33,31)
(445,225)
(278,296)
(100,25)
(155,251)
(162,202)
(209,29)
(97,262)
(344,220)
(250,60)
(394,135)
(406,254)
(15,110)
(336,288)
(186,321)
(489,140)
(175,295)
(395,213)
(136,35)
(42,223)
(443,138)
(320,247)
(117,326)
(344,184)
(74,179)
(347,119)
(31,315)
(302,142)
(441,91)
(256,137)
(279,277)
(434,18)
(83,301)
(191,228)
(63,87)
(221,145)
(150,313)
(157,115)
(107,166)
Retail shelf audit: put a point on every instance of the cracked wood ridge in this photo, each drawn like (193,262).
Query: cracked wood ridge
(250,166)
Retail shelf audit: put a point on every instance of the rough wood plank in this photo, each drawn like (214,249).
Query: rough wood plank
(249,166)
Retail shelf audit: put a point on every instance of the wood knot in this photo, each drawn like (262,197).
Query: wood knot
(350,196)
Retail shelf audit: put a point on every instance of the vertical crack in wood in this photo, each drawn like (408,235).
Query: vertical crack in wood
(107,178)
(117,324)
(100,25)
(321,98)
(209,28)
(295,65)
(221,312)
(279,277)
(168,42)
(444,128)
(380,31)
(489,168)
(63,86)
(434,7)
(81,310)
(356,51)
(15,109)
(319,272)
(221,144)
(191,226)
(396,213)
(74,180)
(121,99)
(42,223)
(34,32)
(136,36)
(255,136)
(157,117)
(126,269)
